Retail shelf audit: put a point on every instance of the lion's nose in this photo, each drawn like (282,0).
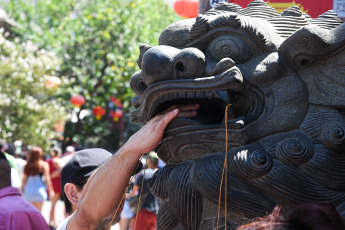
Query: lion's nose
(162,63)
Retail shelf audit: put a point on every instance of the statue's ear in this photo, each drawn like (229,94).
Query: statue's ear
(318,55)
(312,43)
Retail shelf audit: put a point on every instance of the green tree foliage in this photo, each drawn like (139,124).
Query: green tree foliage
(98,41)
(28,110)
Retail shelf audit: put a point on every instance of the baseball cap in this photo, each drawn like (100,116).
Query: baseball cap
(82,164)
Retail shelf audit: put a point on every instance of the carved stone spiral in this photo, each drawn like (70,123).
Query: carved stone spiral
(327,20)
(295,151)
(232,7)
(259,9)
(201,26)
(333,137)
(251,163)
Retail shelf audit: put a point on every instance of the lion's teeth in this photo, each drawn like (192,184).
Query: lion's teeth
(223,94)
(236,124)
(240,122)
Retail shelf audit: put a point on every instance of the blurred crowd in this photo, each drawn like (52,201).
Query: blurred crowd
(37,175)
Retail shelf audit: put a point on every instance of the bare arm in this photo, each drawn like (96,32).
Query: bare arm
(105,188)
(25,178)
(47,179)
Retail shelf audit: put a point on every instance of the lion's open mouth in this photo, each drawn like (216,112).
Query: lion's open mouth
(213,94)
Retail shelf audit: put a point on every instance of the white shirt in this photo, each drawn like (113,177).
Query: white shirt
(63,224)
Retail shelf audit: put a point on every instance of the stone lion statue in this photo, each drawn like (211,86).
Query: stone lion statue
(284,78)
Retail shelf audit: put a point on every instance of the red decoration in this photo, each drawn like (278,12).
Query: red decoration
(53,82)
(186,8)
(117,114)
(307,6)
(116,102)
(98,111)
(78,101)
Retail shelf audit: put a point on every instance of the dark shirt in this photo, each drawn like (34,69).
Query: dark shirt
(151,202)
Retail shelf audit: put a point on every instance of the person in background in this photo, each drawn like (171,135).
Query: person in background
(33,187)
(126,215)
(15,212)
(70,150)
(55,175)
(15,179)
(76,173)
(146,219)
(99,200)
(19,158)
(20,162)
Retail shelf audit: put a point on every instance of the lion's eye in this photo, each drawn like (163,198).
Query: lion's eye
(229,47)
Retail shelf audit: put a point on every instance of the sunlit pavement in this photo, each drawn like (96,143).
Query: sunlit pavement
(59,213)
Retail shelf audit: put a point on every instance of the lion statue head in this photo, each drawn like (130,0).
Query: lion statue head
(284,78)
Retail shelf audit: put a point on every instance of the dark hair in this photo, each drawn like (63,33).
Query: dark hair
(56,152)
(321,216)
(5,172)
(80,185)
(308,216)
(32,166)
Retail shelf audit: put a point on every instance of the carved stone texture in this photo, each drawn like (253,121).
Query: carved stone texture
(284,76)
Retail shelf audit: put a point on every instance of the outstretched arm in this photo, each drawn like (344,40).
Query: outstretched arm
(104,190)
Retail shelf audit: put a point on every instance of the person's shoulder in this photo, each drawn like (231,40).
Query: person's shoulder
(11,159)
(43,165)
(9,156)
(14,203)
(150,172)
(55,160)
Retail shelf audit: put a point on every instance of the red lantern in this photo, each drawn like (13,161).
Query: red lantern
(186,8)
(116,102)
(117,114)
(53,82)
(78,101)
(98,111)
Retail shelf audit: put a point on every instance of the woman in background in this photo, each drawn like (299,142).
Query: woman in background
(55,167)
(34,189)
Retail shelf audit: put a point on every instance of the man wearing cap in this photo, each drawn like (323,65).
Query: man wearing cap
(15,211)
(95,203)
(76,173)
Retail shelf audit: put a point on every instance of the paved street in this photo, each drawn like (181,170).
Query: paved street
(59,212)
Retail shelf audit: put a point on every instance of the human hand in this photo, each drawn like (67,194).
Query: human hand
(185,111)
(148,137)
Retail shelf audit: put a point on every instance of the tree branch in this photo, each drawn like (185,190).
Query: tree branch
(100,78)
